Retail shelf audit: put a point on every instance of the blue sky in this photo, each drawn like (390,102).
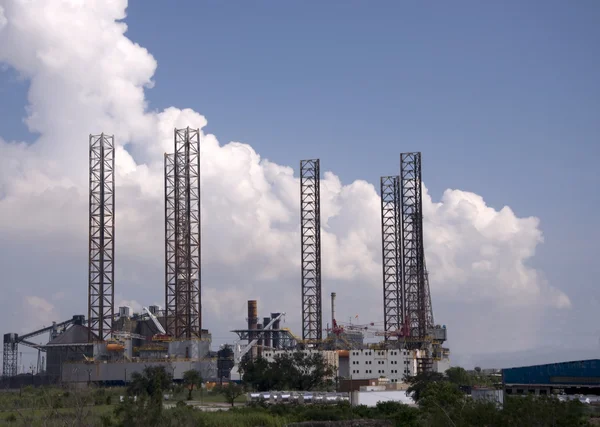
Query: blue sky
(502,99)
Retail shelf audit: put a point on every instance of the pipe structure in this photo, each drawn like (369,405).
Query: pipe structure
(266,335)
(259,344)
(276,327)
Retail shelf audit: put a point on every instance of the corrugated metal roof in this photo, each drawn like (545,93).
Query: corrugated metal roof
(76,334)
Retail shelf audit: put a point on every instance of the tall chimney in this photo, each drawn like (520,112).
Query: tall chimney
(252,324)
(332,309)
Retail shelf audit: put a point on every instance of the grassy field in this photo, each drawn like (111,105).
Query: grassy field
(39,406)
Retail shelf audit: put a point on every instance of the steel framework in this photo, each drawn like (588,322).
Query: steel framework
(10,355)
(101,236)
(390,245)
(183,305)
(310,223)
(415,285)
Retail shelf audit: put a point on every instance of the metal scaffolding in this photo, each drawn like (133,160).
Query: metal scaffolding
(310,223)
(101,276)
(183,305)
(417,309)
(10,361)
(392,268)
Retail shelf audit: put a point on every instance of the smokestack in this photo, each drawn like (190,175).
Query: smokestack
(266,335)
(332,308)
(252,324)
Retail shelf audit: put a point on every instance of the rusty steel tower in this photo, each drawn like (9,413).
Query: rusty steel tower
(408,314)
(101,273)
(415,284)
(310,230)
(183,305)
(391,260)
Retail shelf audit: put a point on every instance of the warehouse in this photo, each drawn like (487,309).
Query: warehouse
(578,377)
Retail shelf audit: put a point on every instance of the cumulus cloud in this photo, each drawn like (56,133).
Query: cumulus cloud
(86,77)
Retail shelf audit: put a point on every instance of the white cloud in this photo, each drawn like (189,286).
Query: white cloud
(39,312)
(87,77)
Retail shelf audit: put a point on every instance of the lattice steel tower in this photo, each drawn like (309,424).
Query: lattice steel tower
(310,224)
(183,305)
(101,277)
(417,300)
(10,355)
(391,247)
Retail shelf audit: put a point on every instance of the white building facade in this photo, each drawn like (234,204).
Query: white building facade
(393,364)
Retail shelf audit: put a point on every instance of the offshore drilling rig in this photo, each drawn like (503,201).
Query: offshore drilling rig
(411,338)
(407,309)
(174,336)
(109,346)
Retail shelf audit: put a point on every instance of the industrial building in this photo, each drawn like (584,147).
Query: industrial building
(109,345)
(580,377)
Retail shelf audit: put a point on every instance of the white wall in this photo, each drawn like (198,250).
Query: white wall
(370,398)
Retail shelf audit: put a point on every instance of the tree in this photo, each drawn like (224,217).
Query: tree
(192,378)
(419,382)
(457,375)
(257,373)
(153,381)
(542,411)
(289,371)
(143,405)
(230,391)
(308,371)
